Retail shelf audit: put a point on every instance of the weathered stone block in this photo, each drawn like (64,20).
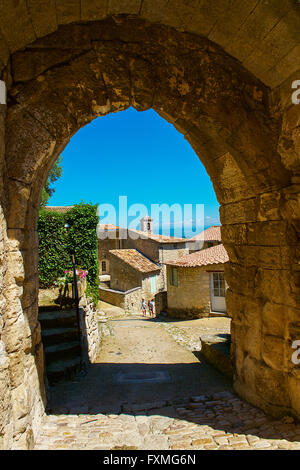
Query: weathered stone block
(43,16)
(269,206)
(123,6)
(68,11)
(270,385)
(274,352)
(22,32)
(294,389)
(95,10)
(274,319)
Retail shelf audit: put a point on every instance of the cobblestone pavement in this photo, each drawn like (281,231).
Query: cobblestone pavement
(216,419)
(187,333)
(221,422)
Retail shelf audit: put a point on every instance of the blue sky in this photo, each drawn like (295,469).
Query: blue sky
(138,155)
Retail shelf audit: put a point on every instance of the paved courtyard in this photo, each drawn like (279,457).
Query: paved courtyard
(150,389)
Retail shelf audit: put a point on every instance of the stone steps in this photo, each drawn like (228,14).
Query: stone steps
(54,319)
(59,335)
(64,350)
(61,343)
(63,369)
(216,350)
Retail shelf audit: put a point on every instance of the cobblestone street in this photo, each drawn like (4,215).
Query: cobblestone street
(149,391)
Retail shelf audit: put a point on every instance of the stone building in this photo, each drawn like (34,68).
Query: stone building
(225,78)
(209,237)
(196,283)
(133,277)
(158,248)
(109,238)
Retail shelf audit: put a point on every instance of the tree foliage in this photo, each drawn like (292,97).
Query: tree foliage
(57,244)
(54,174)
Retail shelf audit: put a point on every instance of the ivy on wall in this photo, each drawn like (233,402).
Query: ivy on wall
(57,244)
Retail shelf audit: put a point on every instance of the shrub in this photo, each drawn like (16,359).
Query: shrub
(57,244)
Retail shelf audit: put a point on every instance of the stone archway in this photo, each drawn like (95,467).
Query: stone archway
(60,83)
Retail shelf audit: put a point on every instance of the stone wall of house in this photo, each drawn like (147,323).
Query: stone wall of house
(103,250)
(159,284)
(191,299)
(123,276)
(170,252)
(150,248)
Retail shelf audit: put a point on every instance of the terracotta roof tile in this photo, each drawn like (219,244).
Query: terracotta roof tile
(160,238)
(135,259)
(214,255)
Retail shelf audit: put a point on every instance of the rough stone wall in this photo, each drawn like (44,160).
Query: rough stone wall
(130,301)
(89,328)
(6,420)
(171,252)
(191,299)
(148,247)
(262,36)
(22,390)
(103,250)
(122,276)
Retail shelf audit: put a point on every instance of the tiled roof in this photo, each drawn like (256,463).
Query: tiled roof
(211,234)
(141,234)
(108,227)
(214,255)
(61,209)
(135,259)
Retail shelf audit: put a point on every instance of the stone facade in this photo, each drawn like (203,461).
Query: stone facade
(129,285)
(222,76)
(192,297)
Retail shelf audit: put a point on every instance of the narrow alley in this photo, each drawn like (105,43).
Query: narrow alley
(150,389)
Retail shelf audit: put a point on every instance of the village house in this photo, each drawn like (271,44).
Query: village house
(158,248)
(109,238)
(206,239)
(134,277)
(195,283)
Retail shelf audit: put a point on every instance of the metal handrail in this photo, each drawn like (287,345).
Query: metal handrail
(76,300)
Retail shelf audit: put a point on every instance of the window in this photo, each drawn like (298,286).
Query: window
(173,276)
(153,284)
(219,284)
(103,266)
(149,226)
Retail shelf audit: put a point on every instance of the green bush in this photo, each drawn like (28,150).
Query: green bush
(53,255)
(57,244)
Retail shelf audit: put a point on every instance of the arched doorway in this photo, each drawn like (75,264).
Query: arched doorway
(82,71)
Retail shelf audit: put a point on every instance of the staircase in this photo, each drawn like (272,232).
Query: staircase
(61,343)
